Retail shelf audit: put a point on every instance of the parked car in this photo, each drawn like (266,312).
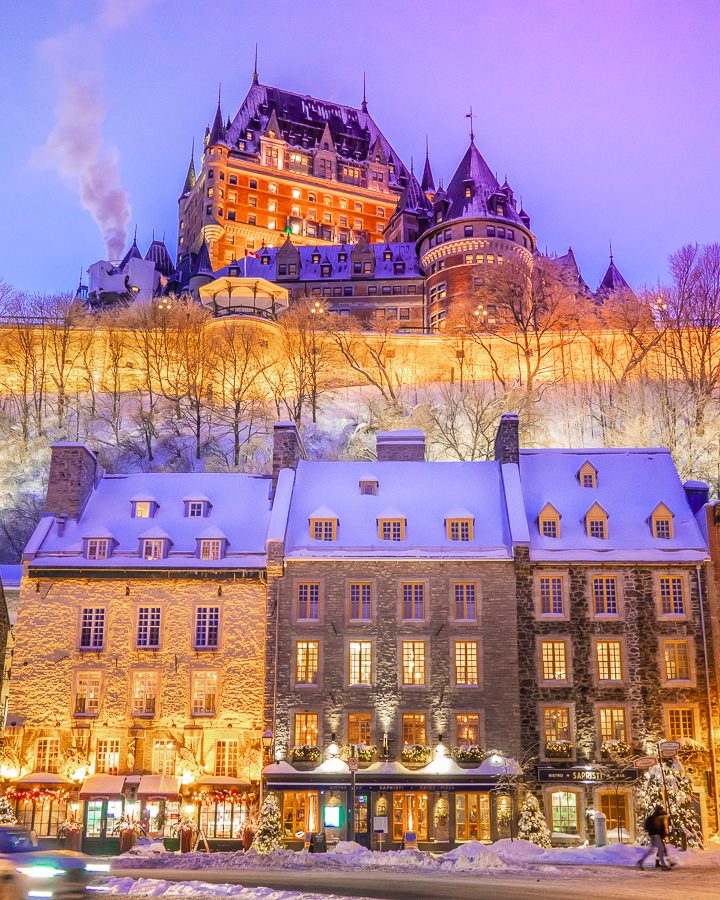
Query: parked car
(27,871)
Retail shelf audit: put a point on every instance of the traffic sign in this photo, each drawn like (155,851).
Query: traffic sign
(644,762)
(353,764)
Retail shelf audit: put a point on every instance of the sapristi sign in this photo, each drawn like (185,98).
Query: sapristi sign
(584,775)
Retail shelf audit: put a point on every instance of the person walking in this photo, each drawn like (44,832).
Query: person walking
(656,826)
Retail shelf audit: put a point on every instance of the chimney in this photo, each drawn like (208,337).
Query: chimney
(74,470)
(401,446)
(287,449)
(507,440)
(698,494)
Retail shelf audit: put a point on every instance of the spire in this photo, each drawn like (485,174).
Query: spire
(190,178)
(472,131)
(255,76)
(363,105)
(611,253)
(613,282)
(428,182)
(217,132)
(201,264)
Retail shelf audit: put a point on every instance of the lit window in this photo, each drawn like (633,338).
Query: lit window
(306,729)
(307,654)
(360,662)
(677,660)
(207,627)
(672,595)
(227,755)
(361,601)
(551,595)
(564,812)
(273,188)
(465,602)
(681,723)
(413,729)
(145,693)
(153,548)
(605,601)
(467,729)
(295,191)
(308,601)
(272,205)
(97,548)
(413,600)
(107,757)
(164,757)
(272,224)
(413,662)
(204,693)
(92,628)
(148,627)
(466,662)
(609,660)
(554,660)
(459,529)
(391,529)
(142,509)
(87,693)
(587,476)
(612,723)
(556,723)
(47,756)
(211,549)
(360,728)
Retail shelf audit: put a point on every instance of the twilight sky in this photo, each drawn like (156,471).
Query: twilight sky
(604,116)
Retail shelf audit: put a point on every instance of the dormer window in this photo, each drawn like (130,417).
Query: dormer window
(596,522)
(315,258)
(211,548)
(468,192)
(368,487)
(143,509)
(325,270)
(391,529)
(197,509)
(387,254)
(459,529)
(399,268)
(97,548)
(661,522)
(549,522)
(342,257)
(587,476)
(153,548)
(323,529)
(264,260)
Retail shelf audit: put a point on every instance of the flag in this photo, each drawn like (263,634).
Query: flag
(252,253)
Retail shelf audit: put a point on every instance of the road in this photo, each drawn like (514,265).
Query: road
(577,882)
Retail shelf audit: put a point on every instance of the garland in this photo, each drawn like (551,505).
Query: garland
(39,795)
(223,795)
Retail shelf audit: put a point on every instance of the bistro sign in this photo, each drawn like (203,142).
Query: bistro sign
(584,775)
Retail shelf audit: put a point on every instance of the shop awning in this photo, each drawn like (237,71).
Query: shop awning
(102,786)
(159,787)
(43,778)
(222,781)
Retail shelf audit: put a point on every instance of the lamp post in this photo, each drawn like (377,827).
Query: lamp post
(266,741)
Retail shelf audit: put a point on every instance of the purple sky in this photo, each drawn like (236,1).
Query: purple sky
(603,115)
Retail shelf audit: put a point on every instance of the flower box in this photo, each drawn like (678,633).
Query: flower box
(415,755)
(558,749)
(469,756)
(610,749)
(305,756)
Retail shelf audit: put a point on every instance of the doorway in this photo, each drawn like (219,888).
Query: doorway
(410,813)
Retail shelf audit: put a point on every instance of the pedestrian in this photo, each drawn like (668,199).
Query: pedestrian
(656,826)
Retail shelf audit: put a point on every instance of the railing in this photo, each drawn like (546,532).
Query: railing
(221,311)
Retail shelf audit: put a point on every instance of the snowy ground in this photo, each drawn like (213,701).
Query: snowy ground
(149,887)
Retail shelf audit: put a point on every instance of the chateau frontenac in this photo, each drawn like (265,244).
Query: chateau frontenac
(310,197)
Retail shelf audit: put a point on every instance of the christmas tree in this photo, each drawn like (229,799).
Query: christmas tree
(683,819)
(269,834)
(532,825)
(7,816)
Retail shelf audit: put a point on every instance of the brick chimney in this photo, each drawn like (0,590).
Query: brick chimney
(287,449)
(507,439)
(400,446)
(74,470)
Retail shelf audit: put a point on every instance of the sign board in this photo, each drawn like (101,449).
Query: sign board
(583,775)
(669,748)
(353,764)
(380,823)
(644,762)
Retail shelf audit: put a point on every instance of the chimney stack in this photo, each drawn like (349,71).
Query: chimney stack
(400,446)
(287,449)
(507,439)
(698,494)
(74,472)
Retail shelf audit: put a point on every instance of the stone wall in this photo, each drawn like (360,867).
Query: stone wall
(73,470)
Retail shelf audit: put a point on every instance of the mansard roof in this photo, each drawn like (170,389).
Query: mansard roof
(158,253)
(474,172)
(302,121)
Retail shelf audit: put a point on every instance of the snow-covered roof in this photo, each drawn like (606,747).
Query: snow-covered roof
(630,484)
(420,492)
(240,512)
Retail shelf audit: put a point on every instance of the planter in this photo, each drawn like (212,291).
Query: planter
(73,840)
(127,841)
(248,836)
(171,844)
(186,837)
(558,750)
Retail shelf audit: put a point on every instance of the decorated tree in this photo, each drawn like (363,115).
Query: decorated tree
(269,833)
(532,825)
(7,815)
(683,819)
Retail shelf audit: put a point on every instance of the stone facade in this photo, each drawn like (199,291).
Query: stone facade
(73,470)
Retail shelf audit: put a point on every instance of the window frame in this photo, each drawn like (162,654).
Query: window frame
(465,685)
(612,704)
(309,641)
(101,544)
(349,662)
(549,514)
(87,713)
(567,705)
(415,583)
(306,713)
(598,639)
(460,524)
(684,578)
(369,718)
(479,716)
(619,616)
(691,707)
(405,714)
(362,583)
(96,608)
(327,525)
(152,609)
(453,599)
(564,577)
(689,641)
(200,648)
(662,513)
(401,523)
(566,639)
(144,672)
(298,583)
(194,675)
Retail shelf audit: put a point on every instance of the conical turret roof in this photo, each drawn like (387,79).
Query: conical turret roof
(217,132)
(133,253)
(201,263)
(413,198)
(613,281)
(428,182)
(191,177)
(470,188)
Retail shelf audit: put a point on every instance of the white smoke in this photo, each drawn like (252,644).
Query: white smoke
(75,147)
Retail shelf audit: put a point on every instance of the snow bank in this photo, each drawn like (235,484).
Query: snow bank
(146,847)
(349,848)
(150,887)
(474,855)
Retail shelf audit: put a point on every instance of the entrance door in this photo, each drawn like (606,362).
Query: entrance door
(410,813)
(362,819)
(472,817)
(101,817)
(615,807)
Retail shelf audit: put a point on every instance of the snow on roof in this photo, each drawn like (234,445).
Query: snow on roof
(100,531)
(240,512)
(212,533)
(424,491)
(458,512)
(323,512)
(630,484)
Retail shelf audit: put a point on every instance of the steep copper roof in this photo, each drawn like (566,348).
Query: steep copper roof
(474,173)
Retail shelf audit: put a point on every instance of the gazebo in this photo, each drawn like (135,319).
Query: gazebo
(233,295)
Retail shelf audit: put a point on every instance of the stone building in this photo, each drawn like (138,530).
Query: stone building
(614,638)
(137,673)
(393,628)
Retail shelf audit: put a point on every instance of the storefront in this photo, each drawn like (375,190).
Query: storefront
(222,807)
(104,806)
(442,805)
(42,801)
(158,797)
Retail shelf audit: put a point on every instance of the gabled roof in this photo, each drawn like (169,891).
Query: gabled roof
(474,172)
(323,512)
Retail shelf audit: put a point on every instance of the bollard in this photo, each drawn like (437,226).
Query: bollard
(600,830)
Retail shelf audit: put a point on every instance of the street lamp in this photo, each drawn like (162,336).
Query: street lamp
(266,741)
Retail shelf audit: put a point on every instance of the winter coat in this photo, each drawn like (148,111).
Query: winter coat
(657,825)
